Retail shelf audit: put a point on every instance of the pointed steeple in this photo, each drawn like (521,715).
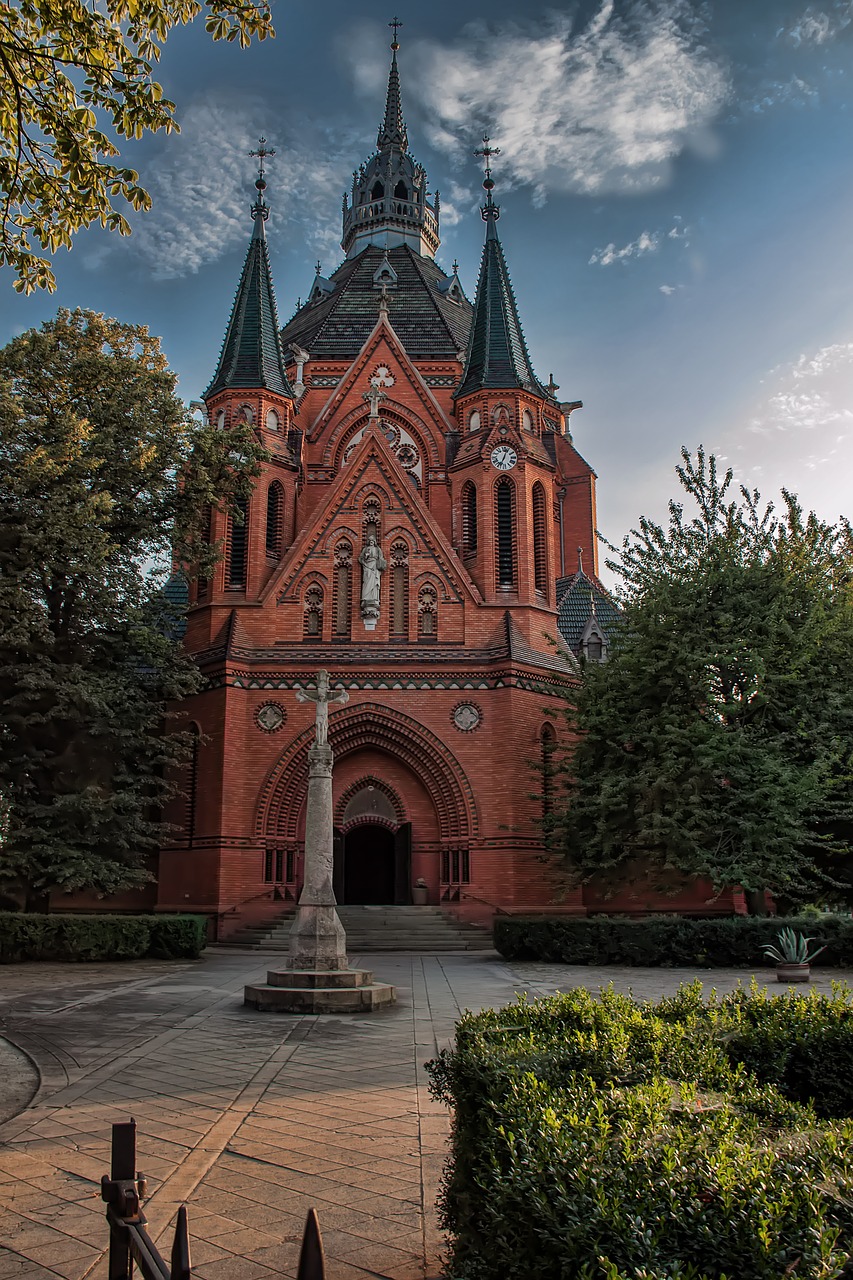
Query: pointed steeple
(252,355)
(392,132)
(497,353)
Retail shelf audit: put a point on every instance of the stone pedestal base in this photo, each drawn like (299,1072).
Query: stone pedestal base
(341,991)
(317,940)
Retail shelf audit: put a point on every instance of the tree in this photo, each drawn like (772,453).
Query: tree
(74,78)
(717,741)
(103,475)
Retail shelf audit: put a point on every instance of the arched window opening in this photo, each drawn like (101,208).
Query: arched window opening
(206,534)
(220,420)
(527,420)
(246,413)
(401,191)
(370,802)
(370,512)
(594,648)
(505,533)
(427,612)
(273,420)
(192,784)
(275,519)
(540,546)
(313,622)
(378,192)
(343,588)
(400,590)
(469,518)
(474,421)
(238,527)
(548,745)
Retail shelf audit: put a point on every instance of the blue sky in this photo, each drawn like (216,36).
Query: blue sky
(676,181)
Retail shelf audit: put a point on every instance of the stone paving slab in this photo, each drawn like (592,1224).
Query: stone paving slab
(249,1118)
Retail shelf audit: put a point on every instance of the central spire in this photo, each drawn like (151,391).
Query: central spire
(392,132)
(389,205)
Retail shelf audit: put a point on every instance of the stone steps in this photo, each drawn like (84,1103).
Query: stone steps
(380,928)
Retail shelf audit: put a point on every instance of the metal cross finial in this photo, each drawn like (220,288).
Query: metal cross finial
(262,152)
(395,23)
(487,151)
(318,266)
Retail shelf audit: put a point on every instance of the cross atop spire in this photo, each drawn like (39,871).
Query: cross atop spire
(490,211)
(392,134)
(260,210)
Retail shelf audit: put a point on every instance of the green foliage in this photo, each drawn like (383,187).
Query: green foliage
(102,474)
(601,1138)
(662,941)
(74,80)
(716,740)
(792,948)
(99,937)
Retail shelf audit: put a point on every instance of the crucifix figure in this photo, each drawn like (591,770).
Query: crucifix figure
(322,695)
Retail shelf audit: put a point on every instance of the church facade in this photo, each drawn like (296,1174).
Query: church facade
(413,533)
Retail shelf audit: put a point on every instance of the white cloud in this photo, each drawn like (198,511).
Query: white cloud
(646,242)
(203,187)
(813,394)
(816,26)
(597,108)
(667,289)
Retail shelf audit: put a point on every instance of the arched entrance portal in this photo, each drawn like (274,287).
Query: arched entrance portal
(373,864)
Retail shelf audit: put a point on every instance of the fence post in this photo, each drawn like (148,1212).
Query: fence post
(122,1169)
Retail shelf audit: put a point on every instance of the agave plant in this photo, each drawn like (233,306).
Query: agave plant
(793,948)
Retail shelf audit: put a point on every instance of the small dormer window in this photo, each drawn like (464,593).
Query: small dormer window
(594,649)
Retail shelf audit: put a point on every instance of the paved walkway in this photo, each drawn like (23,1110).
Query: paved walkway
(248,1118)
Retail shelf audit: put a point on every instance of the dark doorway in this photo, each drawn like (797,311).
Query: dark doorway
(369,865)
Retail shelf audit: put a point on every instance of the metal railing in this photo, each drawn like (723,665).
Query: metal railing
(125,1189)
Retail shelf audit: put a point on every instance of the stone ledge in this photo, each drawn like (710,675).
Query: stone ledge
(313,980)
(366,999)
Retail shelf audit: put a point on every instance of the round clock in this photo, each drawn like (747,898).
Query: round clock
(504,457)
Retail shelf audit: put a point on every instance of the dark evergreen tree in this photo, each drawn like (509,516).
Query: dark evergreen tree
(103,475)
(717,739)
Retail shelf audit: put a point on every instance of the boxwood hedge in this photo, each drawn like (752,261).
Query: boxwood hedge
(728,941)
(99,937)
(599,1138)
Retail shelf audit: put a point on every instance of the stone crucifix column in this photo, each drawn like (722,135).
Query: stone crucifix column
(317,939)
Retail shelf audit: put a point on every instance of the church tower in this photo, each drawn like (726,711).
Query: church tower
(409,533)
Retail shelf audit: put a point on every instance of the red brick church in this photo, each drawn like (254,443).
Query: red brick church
(415,528)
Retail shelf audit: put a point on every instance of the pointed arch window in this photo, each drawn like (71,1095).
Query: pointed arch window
(312,626)
(401,191)
(343,589)
(469,518)
(540,544)
(378,192)
(275,519)
(505,576)
(370,517)
(400,590)
(238,528)
(427,612)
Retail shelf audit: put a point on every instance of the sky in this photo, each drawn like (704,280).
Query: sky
(676,186)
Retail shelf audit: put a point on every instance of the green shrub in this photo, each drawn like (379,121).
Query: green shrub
(669,941)
(605,1139)
(98,937)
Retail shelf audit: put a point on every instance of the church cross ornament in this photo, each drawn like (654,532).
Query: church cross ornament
(322,696)
(262,152)
(395,24)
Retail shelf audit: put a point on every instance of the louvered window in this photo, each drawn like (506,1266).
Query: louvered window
(469,519)
(238,523)
(313,616)
(400,590)
(505,533)
(343,586)
(540,554)
(275,514)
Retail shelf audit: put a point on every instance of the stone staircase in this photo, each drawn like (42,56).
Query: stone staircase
(381,928)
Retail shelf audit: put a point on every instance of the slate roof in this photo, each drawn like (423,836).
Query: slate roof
(497,353)
(429,324)
(252,354)
(176,592)
(574,608)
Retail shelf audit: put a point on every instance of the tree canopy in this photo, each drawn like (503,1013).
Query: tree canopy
(103,476)
(717,740)
(76,77)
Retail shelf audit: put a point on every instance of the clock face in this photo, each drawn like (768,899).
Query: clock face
(504,457)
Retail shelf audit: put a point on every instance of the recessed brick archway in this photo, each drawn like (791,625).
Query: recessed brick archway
(380,728)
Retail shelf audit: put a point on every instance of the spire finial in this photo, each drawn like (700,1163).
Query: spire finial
(392,134)
(580,559)
(490,211)
(260,211)
(318,266)
(395,23)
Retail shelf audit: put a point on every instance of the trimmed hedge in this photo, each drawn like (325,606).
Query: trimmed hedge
(600,1138)
(95,937)
(666,941)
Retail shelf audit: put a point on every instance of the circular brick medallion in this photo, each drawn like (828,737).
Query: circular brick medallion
(466,717)
(270,717)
